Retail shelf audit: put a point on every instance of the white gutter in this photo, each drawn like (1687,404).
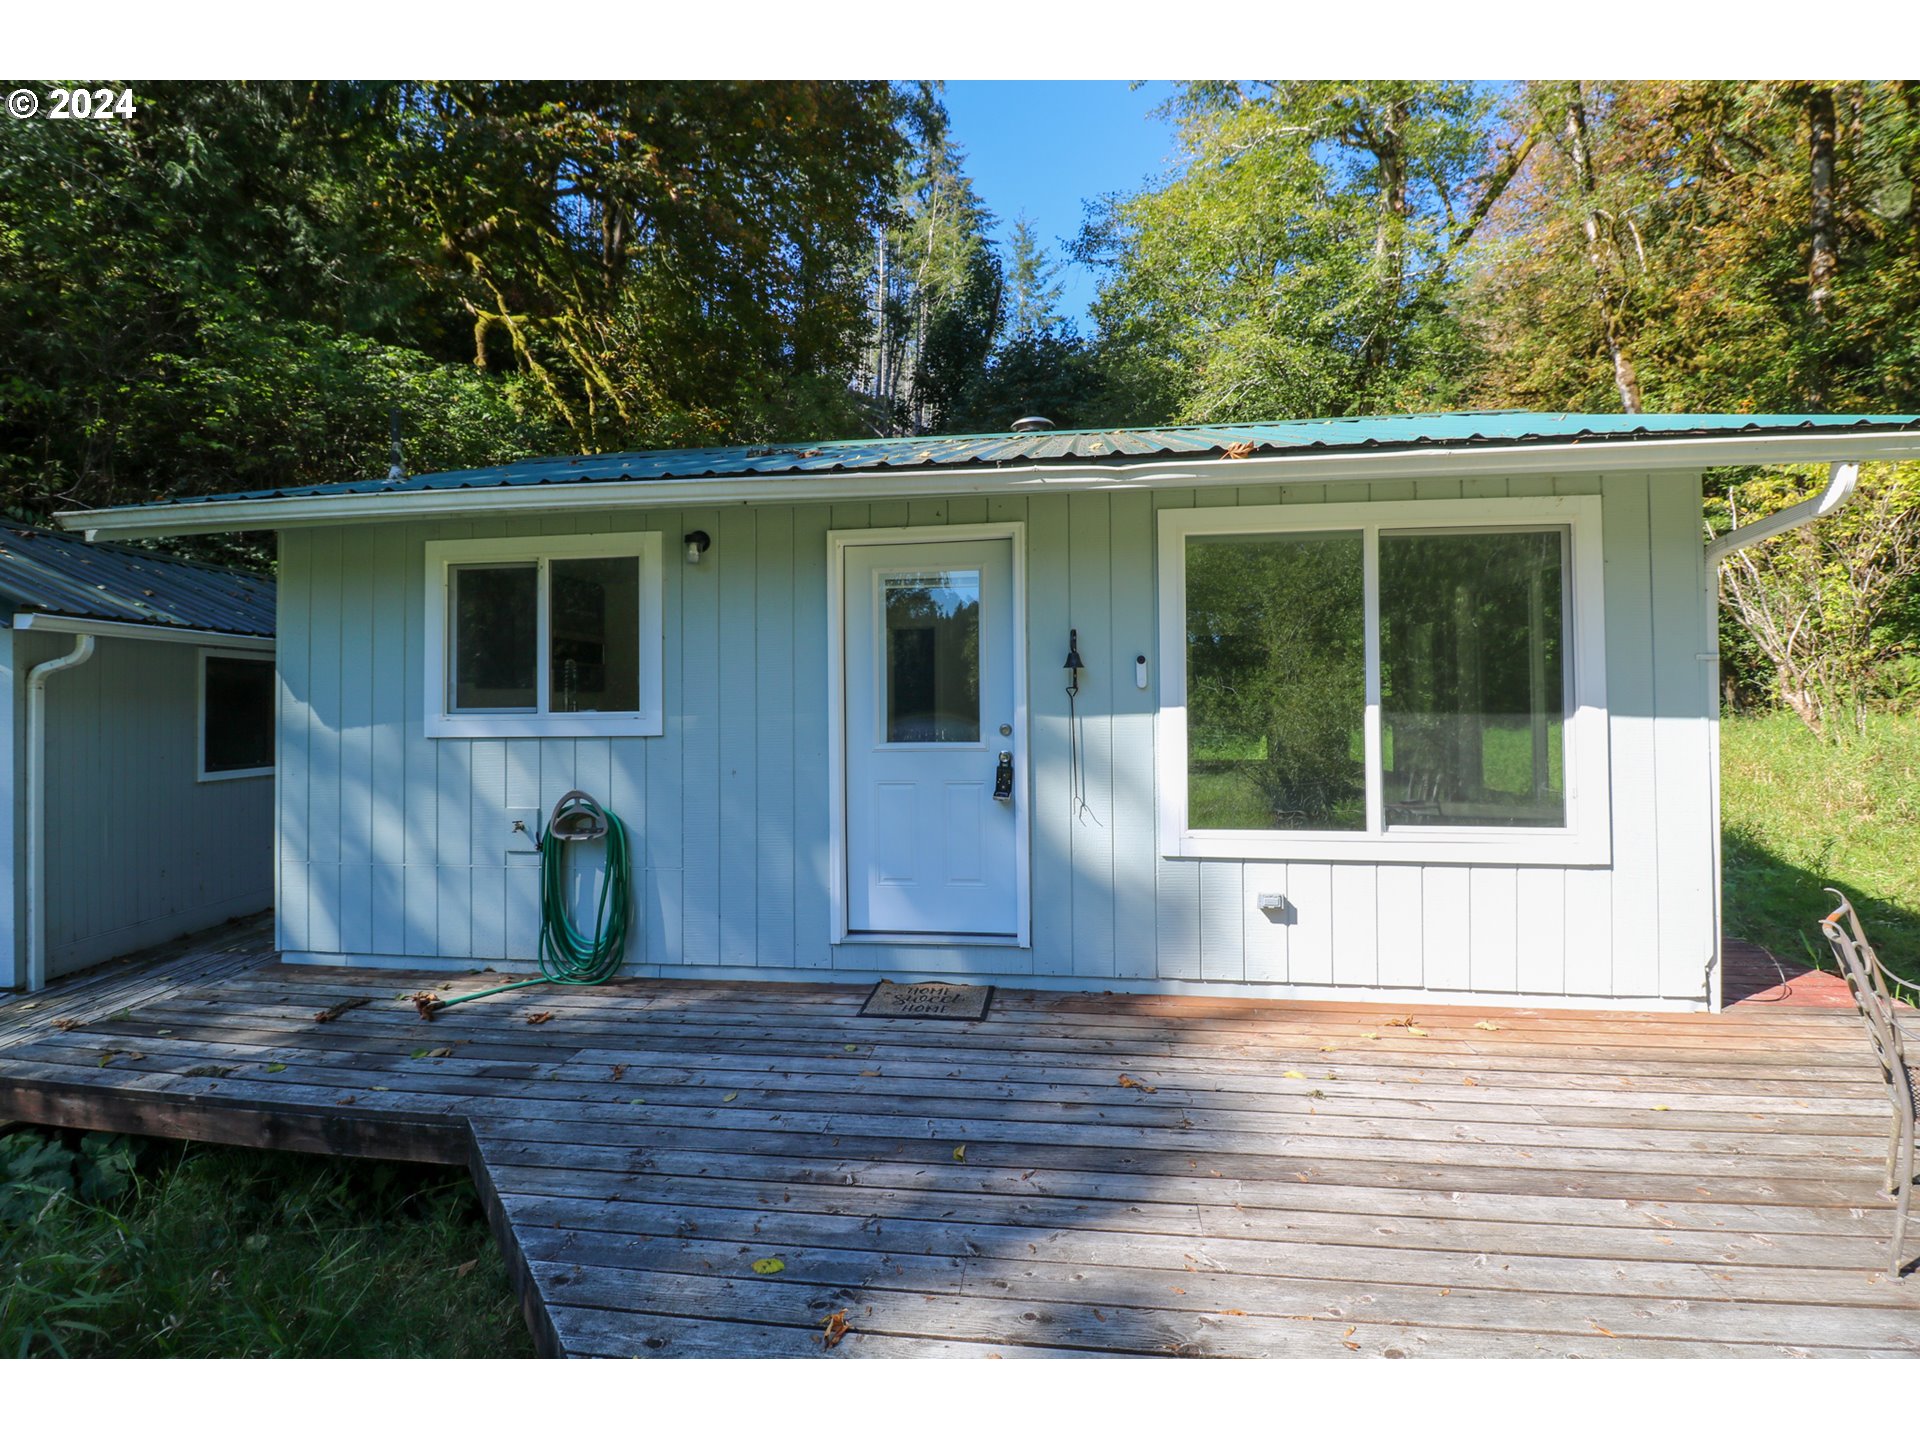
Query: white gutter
(37,803)
(127,630)
(1583,457)
(1842,475)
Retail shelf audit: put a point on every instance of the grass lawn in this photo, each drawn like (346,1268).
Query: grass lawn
(115,1246)
(1798,814)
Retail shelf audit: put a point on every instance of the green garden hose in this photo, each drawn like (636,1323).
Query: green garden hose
(567,955)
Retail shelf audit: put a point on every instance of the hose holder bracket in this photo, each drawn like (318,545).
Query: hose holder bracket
(577,816)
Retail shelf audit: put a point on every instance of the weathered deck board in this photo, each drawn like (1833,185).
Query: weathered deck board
(1279,1179)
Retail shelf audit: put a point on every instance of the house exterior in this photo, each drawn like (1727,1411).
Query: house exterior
(1415,706)
(136,695)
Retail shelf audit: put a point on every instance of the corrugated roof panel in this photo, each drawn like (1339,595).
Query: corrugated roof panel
(61,574)
(1354,433)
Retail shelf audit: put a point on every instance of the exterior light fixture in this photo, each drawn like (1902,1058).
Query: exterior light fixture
(697,542)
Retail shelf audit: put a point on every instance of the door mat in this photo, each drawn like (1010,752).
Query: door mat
(930,1000)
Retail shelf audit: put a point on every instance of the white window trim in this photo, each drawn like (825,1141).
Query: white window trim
(443,722)
(200,771)
(1586,837)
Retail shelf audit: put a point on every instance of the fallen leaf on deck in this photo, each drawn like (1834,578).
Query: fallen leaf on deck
(427,1003)
(1293,1075)
(869,1074)
(1404,1023)
(334,1012)
(163,1032)
(420,1054)
(539,1017)
(348,1100)
(850,1048)
(379,1087)
(1127,1082)
(618,1071)
(1369,1034)
(1603,1330)
(1469,1081)
(772,1265)
(1351,1344)
(836,1328)
(729,1096)
(1416,1030)
(960,1153)
(636,1102)
(275,1067)
(1663,1107)
(68,1022)
(442,1053)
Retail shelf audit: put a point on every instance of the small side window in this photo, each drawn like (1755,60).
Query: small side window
(560,635)
(236,716)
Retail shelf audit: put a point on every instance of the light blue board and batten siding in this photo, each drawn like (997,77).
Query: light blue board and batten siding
(392,845)
(138,849)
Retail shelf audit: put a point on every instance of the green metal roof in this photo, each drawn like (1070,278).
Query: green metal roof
(51,573)
(1491,429)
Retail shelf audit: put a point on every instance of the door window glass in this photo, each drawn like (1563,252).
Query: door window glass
(932,625)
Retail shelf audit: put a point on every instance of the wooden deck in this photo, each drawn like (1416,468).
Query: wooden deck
(1076,1174)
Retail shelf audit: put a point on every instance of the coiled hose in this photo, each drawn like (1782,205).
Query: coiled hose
(569,956)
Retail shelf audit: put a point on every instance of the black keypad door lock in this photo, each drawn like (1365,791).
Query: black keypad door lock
(1003,777)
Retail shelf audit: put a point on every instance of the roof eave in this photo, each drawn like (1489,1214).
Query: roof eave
(1584,456)
(50,622)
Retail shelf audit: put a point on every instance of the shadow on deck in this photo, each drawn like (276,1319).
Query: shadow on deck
(1075,1174)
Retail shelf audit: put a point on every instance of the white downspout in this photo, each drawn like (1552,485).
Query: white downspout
(37,802)
(1842,476)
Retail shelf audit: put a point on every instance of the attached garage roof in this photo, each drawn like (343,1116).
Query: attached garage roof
(51,573)
(923,464)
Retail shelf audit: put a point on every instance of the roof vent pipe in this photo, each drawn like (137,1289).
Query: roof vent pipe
(1032,422)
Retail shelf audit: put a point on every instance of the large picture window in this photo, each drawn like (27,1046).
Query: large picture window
(1417,680)
(559,636)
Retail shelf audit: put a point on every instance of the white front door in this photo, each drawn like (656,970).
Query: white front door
(930,726)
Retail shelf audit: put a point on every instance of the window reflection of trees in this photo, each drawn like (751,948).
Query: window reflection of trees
(1473,678)
(933,658)
(1276,683)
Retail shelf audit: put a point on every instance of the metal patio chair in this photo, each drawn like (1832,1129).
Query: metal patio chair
(1873,997)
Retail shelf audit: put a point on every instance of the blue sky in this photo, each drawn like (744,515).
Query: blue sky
(1044,146)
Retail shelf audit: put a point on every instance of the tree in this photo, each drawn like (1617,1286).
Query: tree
(233,289)
(1301,258)
(1824,604)
(1706,246)
(938,290)
(1033,284)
